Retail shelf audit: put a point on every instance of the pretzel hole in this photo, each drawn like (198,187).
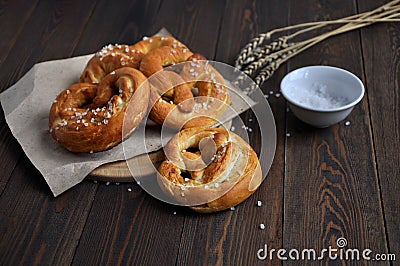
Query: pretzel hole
(195,91)
(186,176)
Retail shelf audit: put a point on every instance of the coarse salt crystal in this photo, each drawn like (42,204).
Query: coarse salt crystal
(259,203)
(129,189)
(232,208)
(316,96)
(262,226)
(347,123)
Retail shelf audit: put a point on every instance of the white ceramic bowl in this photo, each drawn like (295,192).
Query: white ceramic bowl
(322,95)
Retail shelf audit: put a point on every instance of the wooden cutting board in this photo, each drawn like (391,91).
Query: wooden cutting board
(119,171)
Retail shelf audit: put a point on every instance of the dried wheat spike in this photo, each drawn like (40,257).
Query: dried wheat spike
(279,44)
(266,72)
(248,48)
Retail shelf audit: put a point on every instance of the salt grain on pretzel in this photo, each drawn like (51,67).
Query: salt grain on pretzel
(108,59)
(150,43)
(96,117)
(181,100)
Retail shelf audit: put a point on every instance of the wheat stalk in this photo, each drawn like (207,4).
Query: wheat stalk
(266,58)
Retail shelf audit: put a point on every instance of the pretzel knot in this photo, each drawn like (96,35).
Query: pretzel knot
(95,117)
(108,59)
(112,57)
(209,169)
(197,96)
(148,44)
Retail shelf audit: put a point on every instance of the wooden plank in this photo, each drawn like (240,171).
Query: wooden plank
(193,23)
(12,24)
(331,186)
(130,22)
(10,152)
(234,237)
(49,37)
(382,63)
(129,228)
(136,228)
(35,227)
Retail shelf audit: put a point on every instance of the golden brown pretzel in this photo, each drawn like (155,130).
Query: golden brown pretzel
(108,59)
(150,43)
(158,58)
(89,117)
(172,100)
(225,173)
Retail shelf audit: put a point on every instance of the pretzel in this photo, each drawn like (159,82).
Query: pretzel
(150,43)
(108,59)
(158,58)
(112,57)
(223,173)
(95,117)
(172,100)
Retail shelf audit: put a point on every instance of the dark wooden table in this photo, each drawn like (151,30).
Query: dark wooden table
(342,181)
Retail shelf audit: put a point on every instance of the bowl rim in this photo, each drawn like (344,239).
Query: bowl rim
(341,108)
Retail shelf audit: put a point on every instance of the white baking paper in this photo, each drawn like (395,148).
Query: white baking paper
(26,106)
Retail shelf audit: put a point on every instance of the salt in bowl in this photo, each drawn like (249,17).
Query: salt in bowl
(322,95)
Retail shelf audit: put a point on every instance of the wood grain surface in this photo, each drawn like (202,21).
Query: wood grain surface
(342,181)
(337,195)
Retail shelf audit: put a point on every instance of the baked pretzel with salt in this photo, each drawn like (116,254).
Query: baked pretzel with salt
(112,57)
(108,59)
(209,169)
(196,96)
(90,117)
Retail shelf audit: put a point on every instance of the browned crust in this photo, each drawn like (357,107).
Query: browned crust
(90,118)
(238,161)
